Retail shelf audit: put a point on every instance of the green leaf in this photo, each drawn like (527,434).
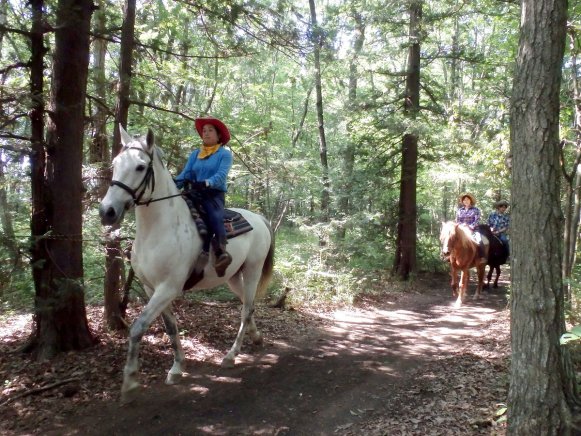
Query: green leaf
(568,337)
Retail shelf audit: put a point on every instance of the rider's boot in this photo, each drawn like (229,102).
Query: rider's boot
(223,258)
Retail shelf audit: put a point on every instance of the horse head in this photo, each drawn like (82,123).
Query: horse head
(133,177)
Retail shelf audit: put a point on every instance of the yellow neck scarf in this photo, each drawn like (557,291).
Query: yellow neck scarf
(208,150)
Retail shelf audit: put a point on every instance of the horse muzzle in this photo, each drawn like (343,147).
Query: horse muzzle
(111,215)
(445,256)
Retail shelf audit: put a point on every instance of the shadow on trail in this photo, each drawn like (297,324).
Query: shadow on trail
(314,384)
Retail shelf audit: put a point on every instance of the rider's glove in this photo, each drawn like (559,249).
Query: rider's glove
(198,186)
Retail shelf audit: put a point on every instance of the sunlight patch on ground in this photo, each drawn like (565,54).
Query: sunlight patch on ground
(200,390)
(435,330)
(11,324)
(224,379)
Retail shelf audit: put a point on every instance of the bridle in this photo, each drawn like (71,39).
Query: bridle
(147,179)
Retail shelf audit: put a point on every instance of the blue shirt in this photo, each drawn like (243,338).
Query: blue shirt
(498,221)
(214,169)
(470,216)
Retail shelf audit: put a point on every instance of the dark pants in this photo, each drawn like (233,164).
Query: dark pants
(212,201)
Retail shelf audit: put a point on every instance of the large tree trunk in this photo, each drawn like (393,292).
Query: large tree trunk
(542,385)
(60,317)
(317,40)
(114,264)
(405,252)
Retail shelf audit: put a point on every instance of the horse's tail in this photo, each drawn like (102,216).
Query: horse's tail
(268,266)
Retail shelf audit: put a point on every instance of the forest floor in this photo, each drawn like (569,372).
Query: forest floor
(398,363)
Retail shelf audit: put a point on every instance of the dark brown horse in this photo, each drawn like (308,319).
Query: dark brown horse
(497,255)
(461,251)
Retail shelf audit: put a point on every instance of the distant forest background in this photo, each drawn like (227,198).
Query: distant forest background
(355,126)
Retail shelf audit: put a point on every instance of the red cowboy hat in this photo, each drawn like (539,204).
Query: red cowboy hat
(223,131)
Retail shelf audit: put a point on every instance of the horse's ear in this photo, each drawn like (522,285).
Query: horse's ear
(150,139)
(125,137)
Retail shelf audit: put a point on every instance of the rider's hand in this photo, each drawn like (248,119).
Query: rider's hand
(198,186)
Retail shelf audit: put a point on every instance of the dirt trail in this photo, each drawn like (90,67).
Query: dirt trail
(412,365)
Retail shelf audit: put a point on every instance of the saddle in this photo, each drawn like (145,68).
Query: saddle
(234,223)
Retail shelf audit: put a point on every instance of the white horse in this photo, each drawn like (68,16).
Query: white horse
(167,245)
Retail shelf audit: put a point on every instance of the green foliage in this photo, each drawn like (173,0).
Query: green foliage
(250,63)
(574,335)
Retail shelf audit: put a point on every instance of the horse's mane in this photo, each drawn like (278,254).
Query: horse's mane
(461,234)
(464,236)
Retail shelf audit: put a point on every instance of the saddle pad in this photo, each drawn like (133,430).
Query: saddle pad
(235,224)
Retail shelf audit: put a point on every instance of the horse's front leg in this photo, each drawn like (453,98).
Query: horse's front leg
(244,285)
(464,276)
(158,302)
(454,281)
(480,269)
(171,328)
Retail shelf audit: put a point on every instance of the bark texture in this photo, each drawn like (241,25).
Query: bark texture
(405,253)
(60,318)
(541,387)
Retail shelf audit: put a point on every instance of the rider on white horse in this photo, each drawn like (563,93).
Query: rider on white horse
(205,173)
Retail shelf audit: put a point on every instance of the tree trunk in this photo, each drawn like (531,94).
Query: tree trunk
(99,148)
(317,40)
(348,154)
(114,265)
(405,253)
(100,156)
(60,317)
(572,176)
(39,207)
(542,383)
(7,239)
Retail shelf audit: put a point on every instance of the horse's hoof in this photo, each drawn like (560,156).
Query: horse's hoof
(458,304)
(173,379)
(128,394)
(257,340)
(477,297)
(227,362)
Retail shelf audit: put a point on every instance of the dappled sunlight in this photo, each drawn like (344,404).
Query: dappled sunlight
(223,379)
(440,328)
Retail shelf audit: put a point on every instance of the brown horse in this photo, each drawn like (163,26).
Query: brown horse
(461,251)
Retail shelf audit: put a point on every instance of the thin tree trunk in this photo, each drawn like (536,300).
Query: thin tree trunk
(349,151)
(114,264)
(542,381)
(39,207)
(99,148)
(405,253)
(572,177)
(99,155)
(317,40)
